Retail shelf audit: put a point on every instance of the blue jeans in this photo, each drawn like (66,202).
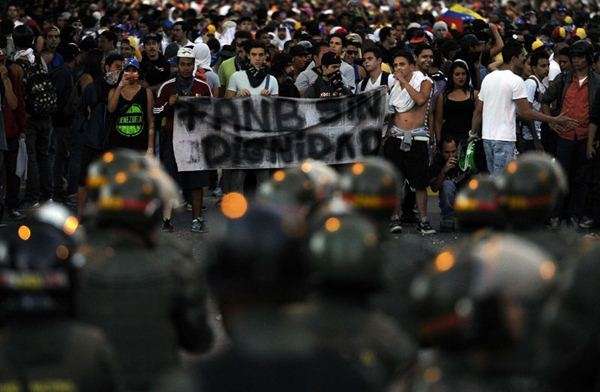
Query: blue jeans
(497,155)
(447,197)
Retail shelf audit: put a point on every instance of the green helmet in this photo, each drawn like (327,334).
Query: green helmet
(39,260)
(372,187)
(344,255)
(477,204)
(464,296)
(255,253)
(531,188)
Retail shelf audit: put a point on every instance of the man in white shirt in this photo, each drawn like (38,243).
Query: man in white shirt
(253,81)
(502,94)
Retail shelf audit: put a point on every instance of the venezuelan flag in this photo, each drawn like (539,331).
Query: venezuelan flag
(459,9)
(455,20)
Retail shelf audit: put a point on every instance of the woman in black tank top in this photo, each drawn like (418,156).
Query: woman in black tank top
(454,108)
(132,122)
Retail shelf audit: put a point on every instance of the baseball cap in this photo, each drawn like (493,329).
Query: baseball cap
(131,62)
(440,25)
(185,52)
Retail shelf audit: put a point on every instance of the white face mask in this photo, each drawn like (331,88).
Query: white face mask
(111,77)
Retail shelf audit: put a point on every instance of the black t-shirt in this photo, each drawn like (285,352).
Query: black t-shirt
(129,127)
(155,72)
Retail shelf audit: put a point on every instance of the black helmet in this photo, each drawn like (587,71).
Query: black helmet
(403,259)
(131,200)
(255,253)
(464,296)
(531,188)
(302,187)
(477,204)
(290,189)
(344,255)
(372,187)
(326,180)
(39,260)
(101,171)
(335,206)
(570,323)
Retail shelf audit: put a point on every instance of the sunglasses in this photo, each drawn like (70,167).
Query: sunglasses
(352,52)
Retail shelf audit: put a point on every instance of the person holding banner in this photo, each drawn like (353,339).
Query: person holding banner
(407,141)
(255,80)
(183,85)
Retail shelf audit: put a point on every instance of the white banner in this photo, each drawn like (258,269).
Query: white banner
(271,132)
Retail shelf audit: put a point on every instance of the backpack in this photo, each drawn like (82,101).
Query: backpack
(41,98)
(383,82)
(536,95)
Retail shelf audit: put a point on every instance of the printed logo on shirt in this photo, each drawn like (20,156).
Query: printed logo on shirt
(131,123)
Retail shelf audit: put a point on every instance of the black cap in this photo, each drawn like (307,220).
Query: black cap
(299,50)
(469,40)
(152,37)
(330,58)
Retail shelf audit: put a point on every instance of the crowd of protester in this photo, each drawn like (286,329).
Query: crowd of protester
(81,78)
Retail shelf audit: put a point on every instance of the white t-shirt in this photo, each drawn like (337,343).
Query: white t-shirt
(375,85)
(499,90)
(239,81)
(553,70)
(530,87)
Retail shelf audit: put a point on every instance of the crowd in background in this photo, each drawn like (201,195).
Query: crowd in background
(81,78)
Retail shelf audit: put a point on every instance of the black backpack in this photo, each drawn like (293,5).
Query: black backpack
(41,98)
(383,82)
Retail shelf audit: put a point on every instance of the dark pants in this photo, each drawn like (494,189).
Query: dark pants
(39,180)
(8,165)
(74,165)
(60,146)
(572,156)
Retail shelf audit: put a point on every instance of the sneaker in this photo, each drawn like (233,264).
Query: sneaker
(30,205)
(425,228)
(198,226)
(217,192)
(586,223)
(395,226)
(167,226)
